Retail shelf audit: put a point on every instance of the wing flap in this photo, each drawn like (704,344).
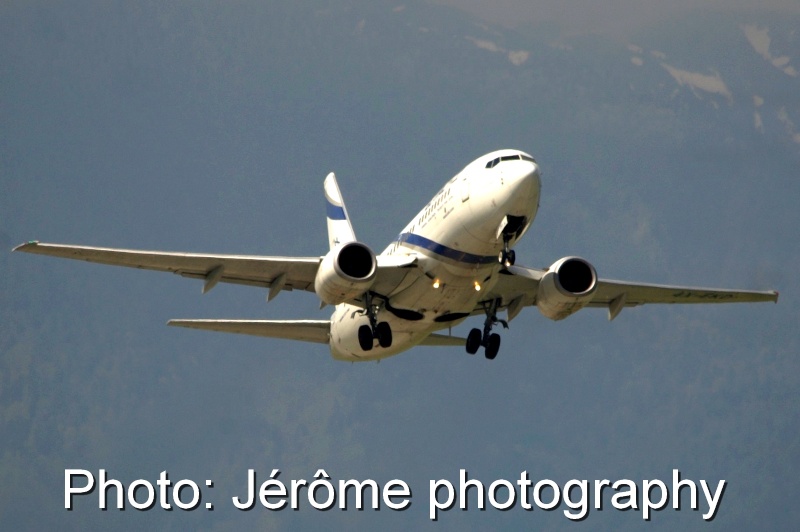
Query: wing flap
(317,331)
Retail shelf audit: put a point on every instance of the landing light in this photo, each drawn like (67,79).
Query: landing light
(436,283)
(477,286)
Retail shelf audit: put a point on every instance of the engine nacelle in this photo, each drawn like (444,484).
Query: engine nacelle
(566,288)
(346,272)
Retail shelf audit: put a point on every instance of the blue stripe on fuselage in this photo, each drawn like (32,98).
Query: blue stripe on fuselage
(335,212)
(439,249)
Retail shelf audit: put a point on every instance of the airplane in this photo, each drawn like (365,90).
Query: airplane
(455,259)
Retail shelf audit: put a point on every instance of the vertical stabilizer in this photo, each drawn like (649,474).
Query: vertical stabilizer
(339,229)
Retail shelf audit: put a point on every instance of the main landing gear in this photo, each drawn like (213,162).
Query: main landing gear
(489,340)
(380,330)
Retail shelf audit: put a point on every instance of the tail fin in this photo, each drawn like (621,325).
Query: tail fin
(339,229)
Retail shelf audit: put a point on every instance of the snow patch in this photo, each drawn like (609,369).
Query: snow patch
(758,122)
(704,82)
(483,44)
(782,61)
(788,123)
(519,57)
(760,40)
(515,57)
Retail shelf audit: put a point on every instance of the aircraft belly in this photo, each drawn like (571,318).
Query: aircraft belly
(455,293)
(346,321)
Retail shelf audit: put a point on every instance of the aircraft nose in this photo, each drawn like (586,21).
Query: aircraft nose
(524,185)
(508,189)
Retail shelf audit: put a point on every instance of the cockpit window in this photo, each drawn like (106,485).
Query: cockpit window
(515,157)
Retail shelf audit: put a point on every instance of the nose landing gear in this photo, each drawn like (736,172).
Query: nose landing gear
(489,340)
(511,227)
(508,256)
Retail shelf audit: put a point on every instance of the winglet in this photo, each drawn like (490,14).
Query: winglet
(340,230)
(27,246)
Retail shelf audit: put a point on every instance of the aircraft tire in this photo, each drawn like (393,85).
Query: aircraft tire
(474,341)
(507,258)
(493,347)
(384,334)
(365,337)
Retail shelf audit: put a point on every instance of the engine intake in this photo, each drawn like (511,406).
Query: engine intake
(566,288)
(345,273)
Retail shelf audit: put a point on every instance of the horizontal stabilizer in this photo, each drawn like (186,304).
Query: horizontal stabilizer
(444,340)
(317,331)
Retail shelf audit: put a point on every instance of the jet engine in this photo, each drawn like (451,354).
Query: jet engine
(566,288)
(346,272)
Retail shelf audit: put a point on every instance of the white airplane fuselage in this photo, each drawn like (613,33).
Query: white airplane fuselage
(458,238)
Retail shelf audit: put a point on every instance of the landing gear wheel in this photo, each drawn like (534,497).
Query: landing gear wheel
(365,337)
(474,341)
(367,334)
(507,257)
(384,333)
(489,340)
(493,346)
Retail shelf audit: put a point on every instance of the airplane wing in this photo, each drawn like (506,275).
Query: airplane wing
(518,287)
(317,331)
(275,273)
(288,272)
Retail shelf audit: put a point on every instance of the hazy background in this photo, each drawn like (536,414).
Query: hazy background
(617,18)
(670,153)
